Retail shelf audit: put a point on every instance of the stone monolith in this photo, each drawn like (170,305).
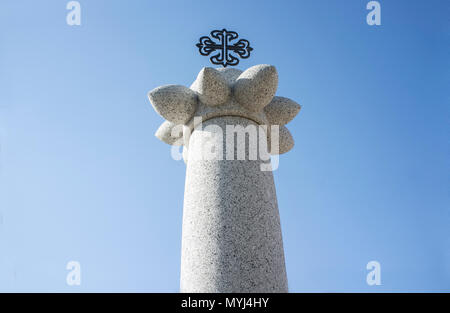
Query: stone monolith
(228,123)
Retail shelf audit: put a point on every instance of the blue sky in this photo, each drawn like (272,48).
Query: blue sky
(83,178)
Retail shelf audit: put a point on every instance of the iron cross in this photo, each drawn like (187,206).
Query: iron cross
(224,47)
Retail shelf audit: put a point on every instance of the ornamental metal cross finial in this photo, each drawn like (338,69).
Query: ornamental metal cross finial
(224,47)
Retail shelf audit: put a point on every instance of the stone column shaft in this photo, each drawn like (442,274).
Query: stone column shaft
(231,238)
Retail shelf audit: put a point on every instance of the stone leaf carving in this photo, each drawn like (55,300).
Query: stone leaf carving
(211,86)
(281,110)
(285,142)
(175,103)
(170,133)
(256,86)
(225,92)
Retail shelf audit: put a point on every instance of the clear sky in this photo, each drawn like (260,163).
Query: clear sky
(82,177)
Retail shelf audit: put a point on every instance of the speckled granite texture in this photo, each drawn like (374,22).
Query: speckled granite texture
(231,239)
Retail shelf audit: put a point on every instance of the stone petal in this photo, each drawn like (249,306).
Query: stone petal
(285,141)
(256,86)
(170,134)
(281,110)
(211,86)
(175,103)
